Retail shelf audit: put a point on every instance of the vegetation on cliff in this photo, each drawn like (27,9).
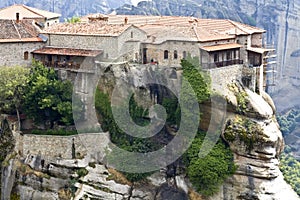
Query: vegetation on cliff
(47,98)
(243,130)
(12,89)
(206,174)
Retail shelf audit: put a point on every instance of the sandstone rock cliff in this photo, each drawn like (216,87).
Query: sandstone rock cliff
(42,170)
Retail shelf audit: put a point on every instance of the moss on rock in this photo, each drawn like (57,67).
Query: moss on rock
(244,130)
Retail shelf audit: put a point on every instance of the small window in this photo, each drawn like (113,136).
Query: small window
(175,54)
(26,55)
(166,54)
(48,24)
(131,34)
(184,55)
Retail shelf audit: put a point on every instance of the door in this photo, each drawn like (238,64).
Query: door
(144,55)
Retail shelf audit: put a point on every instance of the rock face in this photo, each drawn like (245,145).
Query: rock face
(256,142)
(250,129)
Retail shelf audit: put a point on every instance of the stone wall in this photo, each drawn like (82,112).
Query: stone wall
(12,54)
(156,51)
(221,77)
(114,47)
(61,146)
(109,45)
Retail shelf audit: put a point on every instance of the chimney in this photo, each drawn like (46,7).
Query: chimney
(17,17)
(126,20)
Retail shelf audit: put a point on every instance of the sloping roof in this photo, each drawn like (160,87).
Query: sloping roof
(221,47)
(24,31)
(49,50)
(205,29)
(97,28)
(259,50)
(161,33)
(161,28)
(26,12)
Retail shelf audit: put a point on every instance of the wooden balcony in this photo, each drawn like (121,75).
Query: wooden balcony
(221,64)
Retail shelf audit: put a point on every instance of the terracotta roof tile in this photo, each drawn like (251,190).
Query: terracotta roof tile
(221,47)
(96,28)
(162,33)
(68,51)
(24,31)
(26,12)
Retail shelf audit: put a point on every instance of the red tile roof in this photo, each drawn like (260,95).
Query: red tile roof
(221,47)
(97,28)
(68,51)
(24,31)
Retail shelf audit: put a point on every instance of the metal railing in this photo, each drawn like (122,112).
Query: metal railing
(221,64)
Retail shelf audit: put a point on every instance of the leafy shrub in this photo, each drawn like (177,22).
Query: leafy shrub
(290,168)
(207,174)
(82,172)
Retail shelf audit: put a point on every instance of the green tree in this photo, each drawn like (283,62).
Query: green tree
(73,20)
(47,98)
(12,88)
(207,174)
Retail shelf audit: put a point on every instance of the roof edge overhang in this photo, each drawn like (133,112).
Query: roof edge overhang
(221,47)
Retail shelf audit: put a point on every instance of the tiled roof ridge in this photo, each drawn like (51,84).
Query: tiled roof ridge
(196,33)
(28,8)
(31,30)
(20,37)
(239,26)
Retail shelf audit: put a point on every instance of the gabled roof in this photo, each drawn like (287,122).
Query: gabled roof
(177,27)
(24,31)
(26,12)
(97,28)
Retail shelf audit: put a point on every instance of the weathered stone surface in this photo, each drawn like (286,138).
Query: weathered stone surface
(30,193)
(256,145)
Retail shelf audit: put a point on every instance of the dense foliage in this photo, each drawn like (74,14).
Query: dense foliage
(207,174)
(289,121)
(118,137)
(12,88)
(290,168)
(47,98)
(289,165)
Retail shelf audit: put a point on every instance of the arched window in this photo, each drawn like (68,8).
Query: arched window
(26,55)
(184,54)
(131,34)
(166,54)
(175,55)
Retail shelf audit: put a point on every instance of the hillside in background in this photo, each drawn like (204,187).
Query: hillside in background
(69,8)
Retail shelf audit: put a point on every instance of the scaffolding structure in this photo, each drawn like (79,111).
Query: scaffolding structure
(269,69)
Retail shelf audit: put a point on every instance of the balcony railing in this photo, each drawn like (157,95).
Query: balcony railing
(221,64)
(57,64)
